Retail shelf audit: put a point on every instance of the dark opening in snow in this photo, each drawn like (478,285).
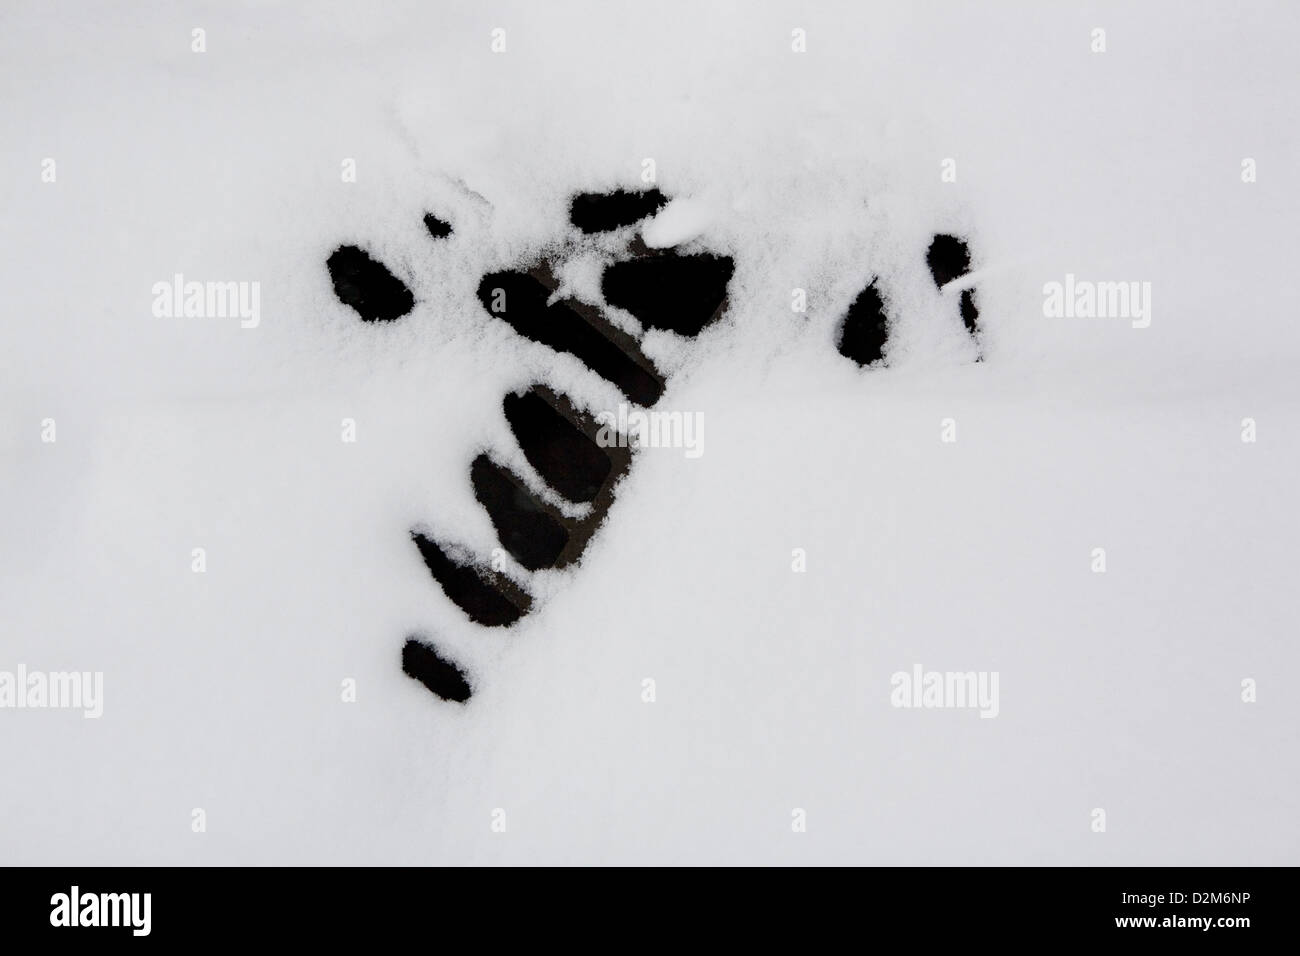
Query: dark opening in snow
(526,528)
(948,258)
(520,299)
(421,661)
(566,458)
(865,328)
(486,597)
(437,228)
(601,212)
(367,286)
(679,293)
(969,314)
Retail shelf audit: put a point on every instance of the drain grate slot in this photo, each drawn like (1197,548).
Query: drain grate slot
(563,454)
(437,227)
(529,530)
(865,329)
(520,299)
(681,294)
(422,662)
(367,286)
(969,314)
(603,212)
(948,258)
(486,597)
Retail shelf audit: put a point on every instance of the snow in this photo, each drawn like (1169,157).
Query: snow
(680,221)
(818,171)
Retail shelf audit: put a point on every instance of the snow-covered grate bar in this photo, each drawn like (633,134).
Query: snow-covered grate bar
(521,300)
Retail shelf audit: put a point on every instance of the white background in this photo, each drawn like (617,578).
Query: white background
(816,170)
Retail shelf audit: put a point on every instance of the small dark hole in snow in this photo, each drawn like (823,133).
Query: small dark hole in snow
(425,664)
(679,293)
(367,286)
(865,328)
(948,258)
(481,594)
(601,212)
(969,314)
(529,532)
(437,228)
(568,460)
(520,299)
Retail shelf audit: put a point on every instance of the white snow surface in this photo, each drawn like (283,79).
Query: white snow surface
(818,170)
(678,222)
